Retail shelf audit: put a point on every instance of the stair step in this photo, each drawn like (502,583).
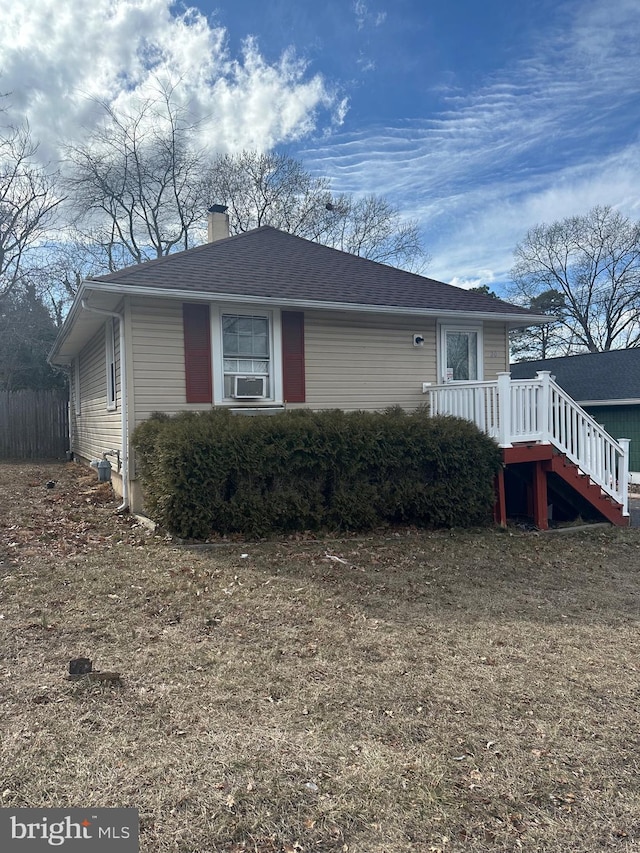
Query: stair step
(584,486)
(577,481)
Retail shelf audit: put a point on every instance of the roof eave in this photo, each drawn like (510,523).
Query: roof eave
(221,296)
(69,320)
(629,401)
(65,330)
(514,320)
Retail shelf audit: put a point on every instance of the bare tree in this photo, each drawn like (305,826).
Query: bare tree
(274,189)
(62,268)
(545,340)
(29,209)
(136,183)
(140,186)
(28,206)
(593,262)
(373,228)
(268,189)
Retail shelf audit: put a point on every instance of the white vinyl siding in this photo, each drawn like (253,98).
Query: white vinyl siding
(496,350)
(352,361)
(95,429)
(157,343)
(360,361)
(110,363)
(75,387)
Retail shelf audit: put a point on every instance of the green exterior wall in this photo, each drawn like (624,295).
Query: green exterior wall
(621,422)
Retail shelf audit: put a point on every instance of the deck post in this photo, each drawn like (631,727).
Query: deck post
(500,506)
(504,409)
(540,509)
(545,399)
(624,474)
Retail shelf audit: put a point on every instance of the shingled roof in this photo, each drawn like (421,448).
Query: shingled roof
(592,377)
(274,265)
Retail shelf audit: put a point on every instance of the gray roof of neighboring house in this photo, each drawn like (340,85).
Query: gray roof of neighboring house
(272,264)
(599,376)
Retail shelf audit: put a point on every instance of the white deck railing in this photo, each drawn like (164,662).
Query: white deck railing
(537,410)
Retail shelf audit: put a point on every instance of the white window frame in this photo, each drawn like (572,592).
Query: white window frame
(275,354)
(110,358)
(443,328)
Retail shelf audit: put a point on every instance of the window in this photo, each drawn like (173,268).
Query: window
(110,350)
(246,353)
(247,356)
(461,359)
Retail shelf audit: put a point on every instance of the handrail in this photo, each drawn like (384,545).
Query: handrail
(539,410)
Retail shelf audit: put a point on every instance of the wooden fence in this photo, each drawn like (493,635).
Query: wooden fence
(34,424)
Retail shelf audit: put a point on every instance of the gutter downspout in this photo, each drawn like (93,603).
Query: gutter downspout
(124,506)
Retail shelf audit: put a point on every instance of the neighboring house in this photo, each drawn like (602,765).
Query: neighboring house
(605,384)
(264,321)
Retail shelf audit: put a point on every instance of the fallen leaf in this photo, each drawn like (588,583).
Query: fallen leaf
(336,559)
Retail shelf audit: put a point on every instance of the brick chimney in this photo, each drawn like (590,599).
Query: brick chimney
(218,223)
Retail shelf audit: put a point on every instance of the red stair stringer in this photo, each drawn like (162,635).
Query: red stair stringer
(571,474)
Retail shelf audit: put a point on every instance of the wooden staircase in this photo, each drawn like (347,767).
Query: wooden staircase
(546,437)
(584,486)
(534,464)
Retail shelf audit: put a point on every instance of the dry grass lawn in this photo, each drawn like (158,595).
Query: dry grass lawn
(447,691)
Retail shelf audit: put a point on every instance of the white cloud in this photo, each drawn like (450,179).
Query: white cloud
(484,277)
(57,57)
(365,63)
(364,17)
(360,11)
(551,136)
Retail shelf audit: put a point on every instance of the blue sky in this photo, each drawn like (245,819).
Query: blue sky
(477,119)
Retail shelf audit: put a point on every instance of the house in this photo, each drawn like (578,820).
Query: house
(605,384)
(264,321)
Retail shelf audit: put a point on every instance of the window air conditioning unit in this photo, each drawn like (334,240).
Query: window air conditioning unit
(249,387)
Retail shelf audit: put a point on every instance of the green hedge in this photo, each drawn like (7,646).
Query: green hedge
(215,472)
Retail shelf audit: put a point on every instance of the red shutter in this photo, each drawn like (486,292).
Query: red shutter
(197,352)
(293,357)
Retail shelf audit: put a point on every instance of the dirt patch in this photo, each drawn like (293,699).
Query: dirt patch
(453,691)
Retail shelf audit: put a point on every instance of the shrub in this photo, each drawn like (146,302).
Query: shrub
(215,472)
